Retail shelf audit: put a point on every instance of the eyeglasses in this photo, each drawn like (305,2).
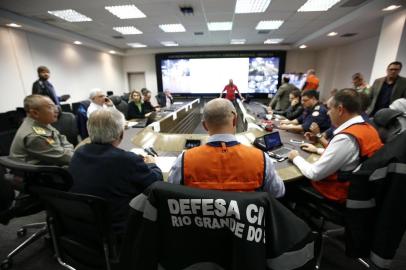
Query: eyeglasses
(394,69)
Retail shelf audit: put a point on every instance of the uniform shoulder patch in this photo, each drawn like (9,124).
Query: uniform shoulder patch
(317,108)
(50,140)
(39,130)
(315,113)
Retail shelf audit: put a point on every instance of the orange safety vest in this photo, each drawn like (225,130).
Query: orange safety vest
(234,168)
(368,143)
(312,83)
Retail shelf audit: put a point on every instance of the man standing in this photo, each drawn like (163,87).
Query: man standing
(36,141)
(280,102)
(312,82)
(223,163)
(353,141)
(314,112)
(231,89)
(43,87)
(387,89)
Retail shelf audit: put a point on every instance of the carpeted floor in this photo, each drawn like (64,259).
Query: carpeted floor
(40,254)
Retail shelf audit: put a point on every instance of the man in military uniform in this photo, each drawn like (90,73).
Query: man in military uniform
(314,112)
(36,141)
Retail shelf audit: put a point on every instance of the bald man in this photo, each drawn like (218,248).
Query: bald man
(36,141)
(223,163)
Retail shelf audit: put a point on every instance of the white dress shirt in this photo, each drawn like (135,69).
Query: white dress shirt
(342,153)
(272,183)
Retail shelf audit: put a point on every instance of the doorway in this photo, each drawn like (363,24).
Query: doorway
(136,80)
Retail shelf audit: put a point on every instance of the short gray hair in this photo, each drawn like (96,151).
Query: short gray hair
(33,102)
(105,125)
(218,112)
(94,92)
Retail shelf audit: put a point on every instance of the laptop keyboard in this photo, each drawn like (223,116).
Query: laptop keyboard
(283,151)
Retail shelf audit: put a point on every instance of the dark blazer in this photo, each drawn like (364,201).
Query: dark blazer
(45,88)
(280,101)
(113,174)
(134,111)
(399,91)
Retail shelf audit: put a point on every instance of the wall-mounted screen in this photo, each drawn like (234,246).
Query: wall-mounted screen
(208,73)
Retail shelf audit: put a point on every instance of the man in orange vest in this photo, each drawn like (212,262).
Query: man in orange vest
(354,140)
(312,82)
(224,163)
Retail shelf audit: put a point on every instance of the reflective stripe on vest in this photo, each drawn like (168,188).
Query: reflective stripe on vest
(368,142)
(237,167)
(398,168)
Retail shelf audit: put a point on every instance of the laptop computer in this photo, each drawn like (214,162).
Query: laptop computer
(273,144)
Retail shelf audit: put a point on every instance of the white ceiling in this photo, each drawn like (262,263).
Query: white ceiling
(304,27)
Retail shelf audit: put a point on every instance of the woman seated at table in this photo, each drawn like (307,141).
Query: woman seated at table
(136,108)
(295,108)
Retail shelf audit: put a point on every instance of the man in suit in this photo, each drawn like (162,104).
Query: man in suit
(280,102)
(43,87)
(387,89)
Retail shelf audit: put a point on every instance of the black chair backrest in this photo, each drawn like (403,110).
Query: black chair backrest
(66,107)
(120,104)
(81,117)
(84,103)
(67,125)
(39,175)
(161,99)
(81,226)
(6,139)
(11,120)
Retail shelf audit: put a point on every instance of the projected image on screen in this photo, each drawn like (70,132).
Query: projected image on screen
(210,75)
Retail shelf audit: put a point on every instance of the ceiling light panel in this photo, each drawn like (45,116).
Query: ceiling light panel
(391,7)
(70,15)
(137,45)
(171,28)
(332,34)
(220,26)
(13,25)
(317,5)
(273,41)
(169,43)
(126,12)
(77,42)
(251,6)
(237,41)
(303,46)
(269,25)
(127,30)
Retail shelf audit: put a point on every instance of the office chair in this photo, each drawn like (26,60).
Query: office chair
(120,104)
(81,117)
(27,203)
(67,125)
(81,231)
(177,227)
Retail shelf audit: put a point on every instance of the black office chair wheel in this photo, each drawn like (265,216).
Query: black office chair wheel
(21,232)
(6,264)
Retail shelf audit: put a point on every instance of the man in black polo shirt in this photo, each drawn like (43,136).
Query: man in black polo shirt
(387,89)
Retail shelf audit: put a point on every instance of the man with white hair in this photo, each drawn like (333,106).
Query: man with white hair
(223,163)
(102,169)
(98,100)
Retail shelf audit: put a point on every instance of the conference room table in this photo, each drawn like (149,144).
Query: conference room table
(286,169)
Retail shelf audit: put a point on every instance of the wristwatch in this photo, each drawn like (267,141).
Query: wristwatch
(319,135)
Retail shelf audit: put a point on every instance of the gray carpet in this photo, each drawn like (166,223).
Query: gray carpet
(40,254)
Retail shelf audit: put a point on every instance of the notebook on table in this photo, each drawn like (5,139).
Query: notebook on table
(273,144)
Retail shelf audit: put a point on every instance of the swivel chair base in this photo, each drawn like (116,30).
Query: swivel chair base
(8,262)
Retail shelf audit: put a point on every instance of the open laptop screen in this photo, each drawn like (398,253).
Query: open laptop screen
(272,140)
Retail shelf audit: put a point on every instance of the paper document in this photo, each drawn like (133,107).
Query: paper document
(165,163)
(131,123)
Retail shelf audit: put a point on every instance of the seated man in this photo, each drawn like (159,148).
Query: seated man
(98,101)
(354,140)
(295,108)
(223,163)
(36,141)
(102,169)
(314,112)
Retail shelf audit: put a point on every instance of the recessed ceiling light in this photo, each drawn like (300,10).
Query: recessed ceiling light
(13,25)
(136,45)
(77,42)
(126,11)
(220,26)
(332,34)
(391,7)
(302,46)
(70,15)
(127,30)
(176,27)
(317,5)
(251,6)
(273,41)
(269,25)
(169,43)
(237,41)
(112,52)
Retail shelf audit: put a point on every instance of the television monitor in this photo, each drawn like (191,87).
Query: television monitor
(297,79)
(208,73)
